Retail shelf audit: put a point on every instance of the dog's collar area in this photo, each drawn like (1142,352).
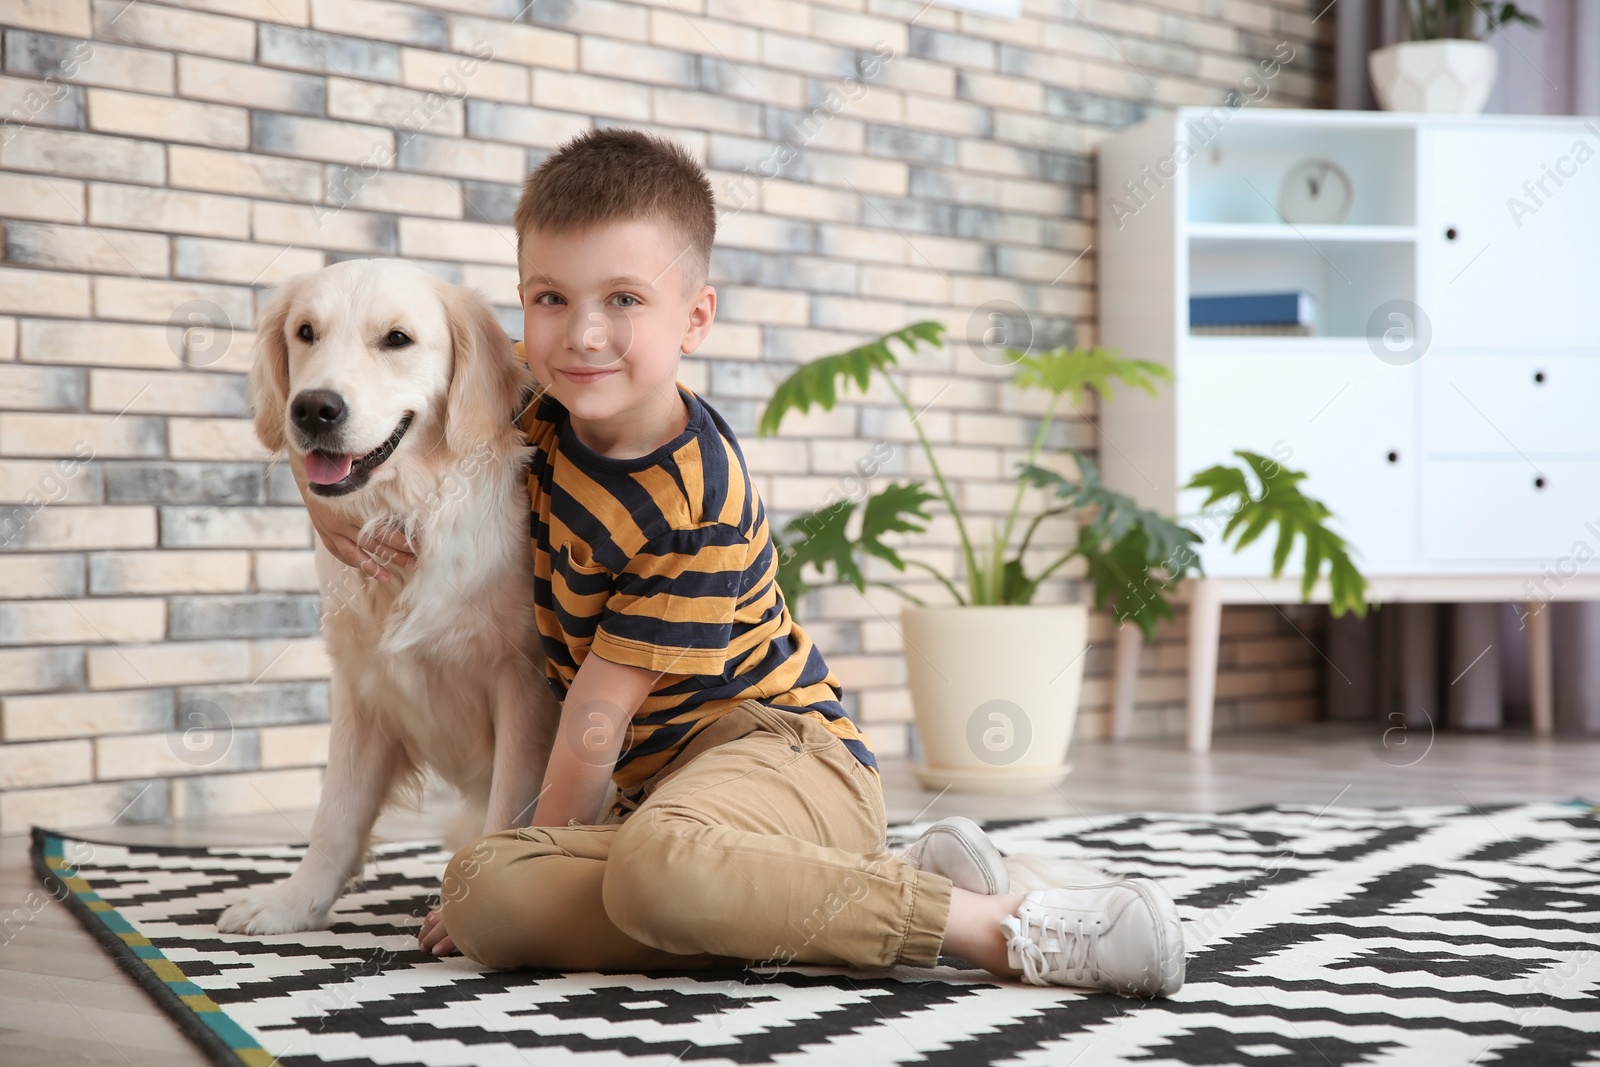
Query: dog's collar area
(363,466)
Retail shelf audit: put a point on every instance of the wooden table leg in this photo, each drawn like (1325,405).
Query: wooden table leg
(1541,668)
(1125,679)
(1205,635)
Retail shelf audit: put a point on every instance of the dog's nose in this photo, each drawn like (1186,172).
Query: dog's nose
(317,411)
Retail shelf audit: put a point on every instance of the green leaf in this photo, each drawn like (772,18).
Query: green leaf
(817,383)
(1296,516)
(1122,578)
(1072,370)
(898,508)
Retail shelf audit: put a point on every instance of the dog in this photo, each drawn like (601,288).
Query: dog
(394,395)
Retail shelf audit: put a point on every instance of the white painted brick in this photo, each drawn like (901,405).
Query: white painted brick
(62,527)
(387,190)
(36,670)
(212,749)
(41,716)
(247,793)
(43,763)
(139,115)
(52,575)
(77,806)
(136,207)
(295,659)
(380,20)
(48,434)
(729,340)
(905,283)
(235,527)
(43,292)
(247,85)
(240,262)
(589,95)
(68,480)
(86,248)
(636,62)
(70,17)
(332,142)
(866,174)
(244,174)
(476,241)
(83,155)
(402,109)
(294,746)
(45,199)
(173,30)
(213,439)
(705,111)
(803,200)
(168,571)
(160,301)
(478,160)
(531,46)
(533,126)
(290,572)
(862,243)
(688,33)
(47,341)
(745,303)
(8,338)
(322,227)
(438,72)
(168,663)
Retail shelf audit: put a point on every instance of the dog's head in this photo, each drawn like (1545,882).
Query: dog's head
(358,362)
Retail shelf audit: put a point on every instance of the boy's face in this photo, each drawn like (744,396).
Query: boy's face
(607,311)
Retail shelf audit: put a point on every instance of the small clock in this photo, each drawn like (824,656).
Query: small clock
(1316,191)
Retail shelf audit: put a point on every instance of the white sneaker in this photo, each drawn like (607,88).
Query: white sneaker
(959,849)
(1120,936)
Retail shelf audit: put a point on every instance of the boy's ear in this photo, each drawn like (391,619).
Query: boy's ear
(701,315)
(487,379)
(269,370)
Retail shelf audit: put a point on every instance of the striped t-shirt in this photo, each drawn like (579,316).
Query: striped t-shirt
(665,562)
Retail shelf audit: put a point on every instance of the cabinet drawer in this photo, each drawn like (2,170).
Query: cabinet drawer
(1508,510)
(1512,403)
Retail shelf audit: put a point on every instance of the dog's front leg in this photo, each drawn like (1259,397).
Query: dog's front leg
(362,765)
(525,719)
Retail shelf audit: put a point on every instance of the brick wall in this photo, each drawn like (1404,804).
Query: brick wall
(162,164)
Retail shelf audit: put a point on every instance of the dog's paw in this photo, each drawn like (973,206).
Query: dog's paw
(273,911)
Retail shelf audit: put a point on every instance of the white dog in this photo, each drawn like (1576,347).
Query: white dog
(394,395)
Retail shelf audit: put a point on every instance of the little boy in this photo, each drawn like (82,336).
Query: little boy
(750,819)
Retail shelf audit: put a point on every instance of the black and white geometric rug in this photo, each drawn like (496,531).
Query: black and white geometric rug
(1440,936)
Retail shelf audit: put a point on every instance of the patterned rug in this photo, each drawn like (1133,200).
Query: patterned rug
(1436,936)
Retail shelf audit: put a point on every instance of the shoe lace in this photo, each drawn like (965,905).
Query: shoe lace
(1074,946)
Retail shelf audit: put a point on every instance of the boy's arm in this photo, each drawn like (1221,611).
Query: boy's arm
(594,719)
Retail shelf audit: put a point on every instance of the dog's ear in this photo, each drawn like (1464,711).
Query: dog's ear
(269,371)
(487,380)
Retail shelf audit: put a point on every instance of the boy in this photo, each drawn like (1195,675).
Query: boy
(750,821)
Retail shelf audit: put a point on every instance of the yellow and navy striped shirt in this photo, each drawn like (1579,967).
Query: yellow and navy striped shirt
(665,562)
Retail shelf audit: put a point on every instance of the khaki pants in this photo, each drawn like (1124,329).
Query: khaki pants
(762,841)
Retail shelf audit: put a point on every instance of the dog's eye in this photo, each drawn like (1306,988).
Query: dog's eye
(304,332)
(396,339)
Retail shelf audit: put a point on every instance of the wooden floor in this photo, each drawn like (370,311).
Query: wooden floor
(62,1000)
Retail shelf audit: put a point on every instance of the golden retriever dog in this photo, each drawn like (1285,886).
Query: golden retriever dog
(393,394)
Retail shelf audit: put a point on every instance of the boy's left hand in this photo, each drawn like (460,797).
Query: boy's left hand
(433,937)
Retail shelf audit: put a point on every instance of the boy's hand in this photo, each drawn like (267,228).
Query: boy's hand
(339,535)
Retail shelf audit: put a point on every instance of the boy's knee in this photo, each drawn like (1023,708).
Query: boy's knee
(477,895)
(653,885)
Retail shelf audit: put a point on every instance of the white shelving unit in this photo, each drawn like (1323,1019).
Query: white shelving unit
(1461,459)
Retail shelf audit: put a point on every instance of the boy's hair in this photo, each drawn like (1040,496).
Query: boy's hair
(619,174)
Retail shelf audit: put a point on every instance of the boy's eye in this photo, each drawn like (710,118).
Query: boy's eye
(396,339)
(627,300)
(304,333)
(548,299)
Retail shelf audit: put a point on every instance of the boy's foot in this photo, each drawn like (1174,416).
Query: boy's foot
(959,849)
(1120,936)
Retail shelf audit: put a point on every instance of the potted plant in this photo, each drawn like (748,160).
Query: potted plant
(1445,66)
(994,677)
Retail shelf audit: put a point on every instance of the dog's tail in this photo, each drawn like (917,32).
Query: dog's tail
(466,826)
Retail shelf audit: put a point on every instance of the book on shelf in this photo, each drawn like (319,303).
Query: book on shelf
(1252,309)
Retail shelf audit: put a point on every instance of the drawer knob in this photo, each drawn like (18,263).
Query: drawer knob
(1538,483)
(1394,457)
(1538,377)
(1450,234)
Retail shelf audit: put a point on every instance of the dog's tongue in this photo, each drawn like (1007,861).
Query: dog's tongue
(324,469)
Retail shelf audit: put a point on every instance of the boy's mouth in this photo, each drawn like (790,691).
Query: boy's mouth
(587,375)
(335,474)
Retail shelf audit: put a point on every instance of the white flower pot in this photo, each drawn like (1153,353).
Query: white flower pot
(995,693)
(1450,77)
